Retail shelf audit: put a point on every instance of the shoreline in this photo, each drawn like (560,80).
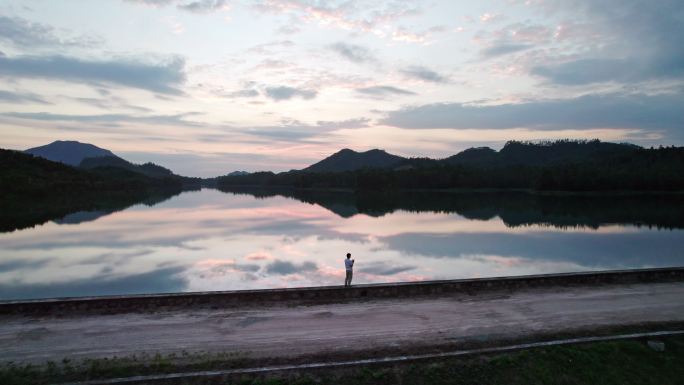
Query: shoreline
(455,190)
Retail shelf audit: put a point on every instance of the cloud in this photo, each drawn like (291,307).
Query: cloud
(512,38)
(242,93)
(267,48)
(490,17)
(591,111)
(154,3)
(385,268)
(296,130)
(111,119)
(20,97)
(588,71)
(110,102)
(279,93)
(165,280)
(605,250)
(353,52)
(503,48)
(424,74)
(25,34)
(407,36)
(196,6)
(382,91)
(203,6)
(289,29)
(247,89)
(281,267)
(640,41)
(230,266)
(19,264)
(162,78)
(245,93)
(365,17)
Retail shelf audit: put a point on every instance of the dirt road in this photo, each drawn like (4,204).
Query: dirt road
(288,331)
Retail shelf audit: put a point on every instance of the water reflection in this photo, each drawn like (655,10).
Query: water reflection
(19,214)
(208,240)
(514,208)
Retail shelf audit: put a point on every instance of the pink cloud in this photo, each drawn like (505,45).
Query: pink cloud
(490,17)
(348,15)
(259,256)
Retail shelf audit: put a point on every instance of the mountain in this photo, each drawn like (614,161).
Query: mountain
(350,160)
(563,165)
(149,169)
(24,174)
(541,153)
(90,157)
(34,190)
(69,152)
(474,156)
(514,153)
(236,173)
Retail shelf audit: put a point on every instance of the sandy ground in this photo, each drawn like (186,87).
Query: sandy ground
(282,331)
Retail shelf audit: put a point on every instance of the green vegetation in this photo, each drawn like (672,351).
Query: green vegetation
(149,169)
(34,190)
(67,370)
(616,362)
(552,166)
(24,175)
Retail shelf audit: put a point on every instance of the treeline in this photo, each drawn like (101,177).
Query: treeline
(34,190)
(24,175)
(660,169)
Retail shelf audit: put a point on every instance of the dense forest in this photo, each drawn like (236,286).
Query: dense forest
(548,166)
(24,175)
(34,190)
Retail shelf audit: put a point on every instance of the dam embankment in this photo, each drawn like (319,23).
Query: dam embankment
(331,294)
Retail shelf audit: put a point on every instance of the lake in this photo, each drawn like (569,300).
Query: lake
(252,239)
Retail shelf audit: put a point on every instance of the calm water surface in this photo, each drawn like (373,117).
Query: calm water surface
(210,240)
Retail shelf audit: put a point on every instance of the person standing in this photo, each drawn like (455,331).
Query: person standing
(348,266)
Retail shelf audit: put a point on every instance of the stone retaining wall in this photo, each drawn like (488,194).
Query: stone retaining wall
(241,298)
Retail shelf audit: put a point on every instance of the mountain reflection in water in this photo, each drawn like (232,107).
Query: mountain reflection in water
(247,238)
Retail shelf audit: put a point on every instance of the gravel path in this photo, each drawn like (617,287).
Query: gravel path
(284,331)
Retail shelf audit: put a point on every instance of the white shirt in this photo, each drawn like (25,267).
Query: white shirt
(348,263)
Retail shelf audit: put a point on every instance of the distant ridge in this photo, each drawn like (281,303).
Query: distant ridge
(89,156)
(561,165)
(237,173)
(543,153)
(350,160)
(149,169)
(69,152)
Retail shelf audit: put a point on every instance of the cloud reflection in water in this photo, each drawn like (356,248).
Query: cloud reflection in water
(210,240)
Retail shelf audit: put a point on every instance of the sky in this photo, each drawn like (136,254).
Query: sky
(206,87)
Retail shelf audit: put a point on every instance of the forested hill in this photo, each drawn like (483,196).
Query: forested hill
(89,156)
(542,153)
(24,175)
(513,153)
(349,160)
(69,152)
(560,166)
(34,190)
(149,169)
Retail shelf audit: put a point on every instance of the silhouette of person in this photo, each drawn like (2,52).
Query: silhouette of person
(348,266)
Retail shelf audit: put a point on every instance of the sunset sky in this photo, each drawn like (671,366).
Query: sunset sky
(206,87)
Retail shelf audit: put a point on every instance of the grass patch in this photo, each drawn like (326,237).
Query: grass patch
(615,362)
